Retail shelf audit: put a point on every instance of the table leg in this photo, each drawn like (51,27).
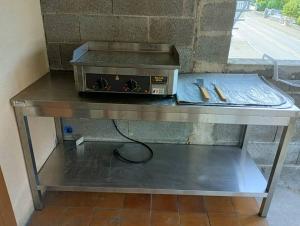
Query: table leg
(244,138)
(59,130)
(26,143)
(277,166)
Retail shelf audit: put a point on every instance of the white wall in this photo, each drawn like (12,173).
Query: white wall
(22,61)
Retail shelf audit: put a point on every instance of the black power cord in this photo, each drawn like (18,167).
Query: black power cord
(118,155)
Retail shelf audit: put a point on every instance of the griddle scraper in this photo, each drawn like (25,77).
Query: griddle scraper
(220,92)
(200,84)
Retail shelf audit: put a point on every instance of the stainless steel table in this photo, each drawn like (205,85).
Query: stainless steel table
(175,169)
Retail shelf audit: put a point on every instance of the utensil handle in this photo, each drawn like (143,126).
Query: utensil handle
(220,93)
(204,93)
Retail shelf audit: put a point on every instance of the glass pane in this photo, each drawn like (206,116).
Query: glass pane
(269,27)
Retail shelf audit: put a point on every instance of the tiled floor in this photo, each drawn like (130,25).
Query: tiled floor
(107,209)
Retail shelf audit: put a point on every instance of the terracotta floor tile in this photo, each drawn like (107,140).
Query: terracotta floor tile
(253,220)
(165,203)
(103,217)
(56,198)
(161,218)
(2,221)
(215,204)
(245,206)
(137,201)
(223,220)
(135,218)
(77,216)
(106,213)
(77,199)
(222,211)
(49,216)
(101,222)
(190,204)
(111,200)
(194,219)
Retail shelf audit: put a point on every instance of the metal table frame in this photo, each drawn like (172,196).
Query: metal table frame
(51,103)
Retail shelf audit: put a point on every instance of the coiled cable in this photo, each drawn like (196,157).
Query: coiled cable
(118,155)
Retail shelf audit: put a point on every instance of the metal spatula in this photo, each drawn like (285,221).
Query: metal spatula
(200,84)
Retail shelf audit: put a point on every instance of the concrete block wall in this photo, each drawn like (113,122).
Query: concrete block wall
(213,34)
(201,29)
(262,144)
(152,132)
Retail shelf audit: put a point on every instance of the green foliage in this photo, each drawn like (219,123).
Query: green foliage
(261,4)
(271,4)
(260,1)
(289,8)
(298,20)
(292,8)
(275,4)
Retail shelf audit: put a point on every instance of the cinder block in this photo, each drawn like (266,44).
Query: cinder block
(293,153)
(296,99)
(61,28)
(295,90)
(148,8)
(97,28)
(251,62)
(202,133)
(289,177)
(171,30)
(114,28)
(186,59)
(278,133)
(250,66)
(212,48)
(227,134)
(66,52)
(217,16)
(189,8)
(131,29)
(53,52)
(161,132)
(262,133)
(296,136)
(204,66)
(264,153)
(77,6)
(290,71)
(280,85)
(43,6)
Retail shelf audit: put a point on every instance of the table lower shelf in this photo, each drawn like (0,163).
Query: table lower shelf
(174,169)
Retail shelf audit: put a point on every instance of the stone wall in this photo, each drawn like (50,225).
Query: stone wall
(201,29)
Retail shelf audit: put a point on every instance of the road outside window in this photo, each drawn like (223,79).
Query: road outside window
(269,27)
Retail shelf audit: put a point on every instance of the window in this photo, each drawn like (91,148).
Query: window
(270,27)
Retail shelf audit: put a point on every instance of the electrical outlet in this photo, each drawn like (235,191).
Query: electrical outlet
(68,129)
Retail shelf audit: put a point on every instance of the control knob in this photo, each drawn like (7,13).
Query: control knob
(102,83)
(131,84)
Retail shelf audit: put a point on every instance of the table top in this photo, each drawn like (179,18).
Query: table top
(57,90)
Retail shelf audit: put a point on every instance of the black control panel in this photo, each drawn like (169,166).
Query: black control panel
(118,83)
